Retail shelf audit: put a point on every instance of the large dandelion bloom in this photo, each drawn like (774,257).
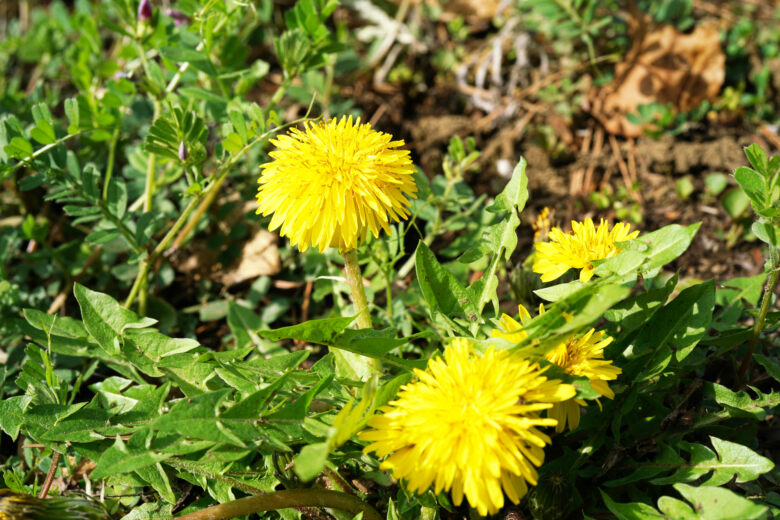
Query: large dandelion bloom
(469,424)
(578,248)
(580,356)
(329,185)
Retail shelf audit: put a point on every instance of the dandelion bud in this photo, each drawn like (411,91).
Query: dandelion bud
(144,10)
(183,154)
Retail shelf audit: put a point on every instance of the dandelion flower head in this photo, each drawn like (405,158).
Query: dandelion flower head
(581,356)
(333,183)
(469,424)
(578,248)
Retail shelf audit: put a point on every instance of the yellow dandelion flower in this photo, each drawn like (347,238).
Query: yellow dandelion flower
(469,424)
(581,356)
(578,248)
(330,185)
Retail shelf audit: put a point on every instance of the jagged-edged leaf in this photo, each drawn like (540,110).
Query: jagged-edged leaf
(441,290)
(12,414)
(727,460)
(105,319)
(199,417)
(741,404)
(631,511)
(121,458)
(716,503)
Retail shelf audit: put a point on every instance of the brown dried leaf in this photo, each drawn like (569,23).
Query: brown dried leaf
(662,66)
(259,257)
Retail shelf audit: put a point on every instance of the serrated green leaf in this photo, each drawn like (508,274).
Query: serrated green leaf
(12,414)
(441,290)
(770,365)
(741,404)
(81,426)
(198,417)
(105,319)
(735,459)
(155,476)
(157,346)
(119,458)
(715,503)
(631,511)
(676,509)
(316,331)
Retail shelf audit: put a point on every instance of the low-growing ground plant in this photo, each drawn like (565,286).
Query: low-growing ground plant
(401,382)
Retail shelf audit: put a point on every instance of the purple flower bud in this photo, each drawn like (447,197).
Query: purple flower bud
(121,75)
(183,154)
(178,17)
(144,10)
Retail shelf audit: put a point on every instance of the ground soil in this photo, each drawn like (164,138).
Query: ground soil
(427,121)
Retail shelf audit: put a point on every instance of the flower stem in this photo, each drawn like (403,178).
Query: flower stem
(355,281)
(286,499)
(362,365)
(759,326)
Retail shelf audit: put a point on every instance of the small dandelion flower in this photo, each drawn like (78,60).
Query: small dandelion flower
(578,248)
(581,356)
(469,424)
(335,182)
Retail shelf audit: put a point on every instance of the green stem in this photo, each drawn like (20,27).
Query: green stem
(151,165)
(355,282)
(40,151)
(144,60)
(389,294)
(112,152)
(285,499)
(146,264)
(363,366)
(763,310)
(281,90)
